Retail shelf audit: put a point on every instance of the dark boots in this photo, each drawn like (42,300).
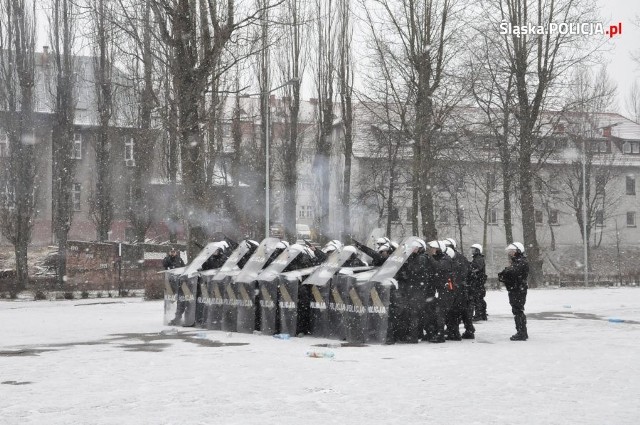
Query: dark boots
(468,335)
(521,329)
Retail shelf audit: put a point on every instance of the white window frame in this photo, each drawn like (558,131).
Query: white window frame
(76,148)
(4,144)
(76,196)
(129,152)
(632,222)
(626,185)
(8,198)
(492,219)
(538,217)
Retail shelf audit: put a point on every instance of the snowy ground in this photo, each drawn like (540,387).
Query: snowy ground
(112,362)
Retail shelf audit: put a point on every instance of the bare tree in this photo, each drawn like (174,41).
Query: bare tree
(418,40)
(536,62)
(632,101)
(17,59)
(62,24)
(292,67)
(325,75)
(101,201)
(136,23)
(345,84)
(591,175)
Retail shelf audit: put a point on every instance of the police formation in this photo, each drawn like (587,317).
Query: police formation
(379,291)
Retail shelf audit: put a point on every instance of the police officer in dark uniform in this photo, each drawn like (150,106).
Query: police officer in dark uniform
(514,278)
(384,248)
(412,280)
(172,260)
(218,258)
(477,280)
(460,309)
(439,297)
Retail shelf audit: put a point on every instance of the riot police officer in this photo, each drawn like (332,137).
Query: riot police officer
(514,278)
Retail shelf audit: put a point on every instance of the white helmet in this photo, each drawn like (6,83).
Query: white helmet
(451,242)
(418,243)
(450,252)
(282,245)
(350,248)
(382,241)
(516,246)
(297,247)
(477,246)
(332,246)
(394,245)
(384,247)
(439,245)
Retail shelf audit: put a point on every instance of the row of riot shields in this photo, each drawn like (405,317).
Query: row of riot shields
(328,300)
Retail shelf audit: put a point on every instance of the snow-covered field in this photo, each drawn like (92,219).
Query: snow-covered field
(112,362)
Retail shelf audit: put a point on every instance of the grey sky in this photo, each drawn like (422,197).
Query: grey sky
(622,68)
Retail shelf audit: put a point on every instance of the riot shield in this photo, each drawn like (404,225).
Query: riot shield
(278,301)
(378,311)
(234,295)
(248,312)
(231,265)
(206,315)
(326,270)
(171,285)
(198,261)
(395,261)
(257,260)
(352,304)
(186,304)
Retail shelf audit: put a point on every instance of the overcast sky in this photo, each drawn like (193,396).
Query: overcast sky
(622,68)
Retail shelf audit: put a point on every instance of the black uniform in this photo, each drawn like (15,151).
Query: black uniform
(460,308)
(411,297)
(216,261)
(477,280)
(514,278)
(172,262)
(377,258)
(442,283)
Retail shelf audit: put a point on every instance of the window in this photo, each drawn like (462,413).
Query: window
(631,219)
(600,218)
(305,211)
(4,144)
(493,216)
(128,152)
(394,214)
(601,146)
(7,197)
(492,181)
(631,185)
(537,215)
(76,150)
(553,217)
(409,213)
(226,130)
(75,196)
(631,147)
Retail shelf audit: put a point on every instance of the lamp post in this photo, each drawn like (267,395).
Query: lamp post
(585,241)
(266,156)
